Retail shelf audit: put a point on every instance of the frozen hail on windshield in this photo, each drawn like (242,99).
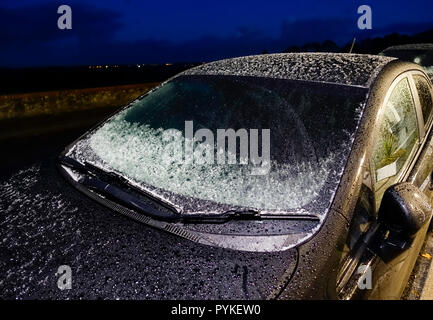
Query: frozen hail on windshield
(196,136)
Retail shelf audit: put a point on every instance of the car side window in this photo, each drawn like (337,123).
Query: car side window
(397,137)
(424,92)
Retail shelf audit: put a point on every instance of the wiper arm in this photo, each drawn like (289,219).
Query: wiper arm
(123,181)
(247,214)
(129,200)
(221,217)
(74,164)
(91,181)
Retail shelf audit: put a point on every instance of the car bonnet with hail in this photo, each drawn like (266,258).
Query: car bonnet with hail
(242,157)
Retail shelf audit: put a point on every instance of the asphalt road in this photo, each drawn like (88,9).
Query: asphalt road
(420,285)
(46,223)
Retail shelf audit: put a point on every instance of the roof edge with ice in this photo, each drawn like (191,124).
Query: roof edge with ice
(413,46)
(338,68)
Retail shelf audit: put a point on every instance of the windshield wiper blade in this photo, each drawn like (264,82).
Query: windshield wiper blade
(127,199)
(74,164)
(92,181)
(220,217)
(118,178)
(247,214)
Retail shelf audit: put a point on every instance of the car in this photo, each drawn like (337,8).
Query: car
(278,176)
(421,54)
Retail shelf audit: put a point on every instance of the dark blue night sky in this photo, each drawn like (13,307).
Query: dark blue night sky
(133,31)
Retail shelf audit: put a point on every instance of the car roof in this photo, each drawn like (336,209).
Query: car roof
(339,68)
(413,46)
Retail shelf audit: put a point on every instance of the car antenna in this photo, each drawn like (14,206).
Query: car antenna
(353,44)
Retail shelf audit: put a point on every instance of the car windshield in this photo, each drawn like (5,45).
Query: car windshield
(423,57)
(262,143)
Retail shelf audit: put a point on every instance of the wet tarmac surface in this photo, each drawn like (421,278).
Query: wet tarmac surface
(46,223)
(420,284)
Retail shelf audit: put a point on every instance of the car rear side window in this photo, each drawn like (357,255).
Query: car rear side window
(424,93)
(396,138)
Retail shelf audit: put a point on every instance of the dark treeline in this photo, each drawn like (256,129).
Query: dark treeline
(57,78)
(370,46)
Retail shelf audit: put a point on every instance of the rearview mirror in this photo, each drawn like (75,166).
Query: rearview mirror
(404,210)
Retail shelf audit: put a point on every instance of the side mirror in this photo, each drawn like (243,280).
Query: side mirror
(404,210)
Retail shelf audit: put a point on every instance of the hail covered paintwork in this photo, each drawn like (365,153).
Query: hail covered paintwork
(413,46)
(339,68)
(313,262)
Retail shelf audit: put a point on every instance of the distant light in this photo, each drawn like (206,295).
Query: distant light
(417,60)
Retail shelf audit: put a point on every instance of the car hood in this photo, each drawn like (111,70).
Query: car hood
(112,257)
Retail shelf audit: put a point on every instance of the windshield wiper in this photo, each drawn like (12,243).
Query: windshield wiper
(247,214)
(221,217)
(93,182)
(116,177)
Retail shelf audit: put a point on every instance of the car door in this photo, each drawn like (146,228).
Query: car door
(402,152)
